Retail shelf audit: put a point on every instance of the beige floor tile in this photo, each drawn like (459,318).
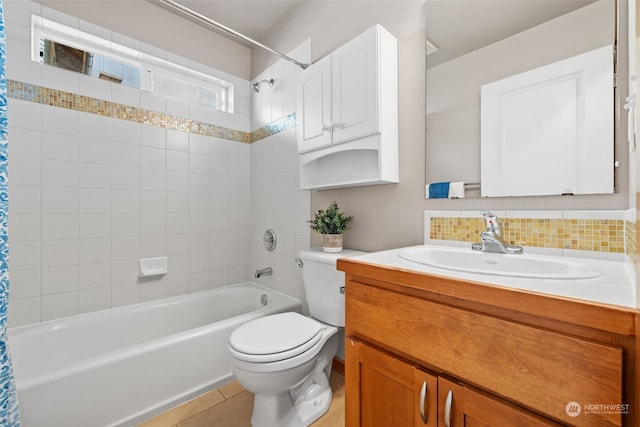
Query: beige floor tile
(186,410)
(234,412)
(231,406)
(231,389)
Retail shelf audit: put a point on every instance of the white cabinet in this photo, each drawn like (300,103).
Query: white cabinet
(347,115)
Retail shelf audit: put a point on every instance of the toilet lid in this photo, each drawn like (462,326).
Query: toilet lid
(276,337)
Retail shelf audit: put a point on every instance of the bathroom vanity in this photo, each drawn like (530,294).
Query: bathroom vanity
(425,347)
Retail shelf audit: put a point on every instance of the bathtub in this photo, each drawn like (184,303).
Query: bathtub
(122,366)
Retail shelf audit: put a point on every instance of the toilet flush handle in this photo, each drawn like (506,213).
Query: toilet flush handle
(299,262)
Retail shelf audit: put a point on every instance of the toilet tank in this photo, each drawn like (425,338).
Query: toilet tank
(323,283)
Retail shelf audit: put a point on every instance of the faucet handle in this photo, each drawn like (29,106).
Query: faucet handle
(492,222)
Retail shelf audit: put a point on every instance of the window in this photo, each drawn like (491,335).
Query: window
(70,49)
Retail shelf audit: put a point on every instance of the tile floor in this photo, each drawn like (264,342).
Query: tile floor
(231,406)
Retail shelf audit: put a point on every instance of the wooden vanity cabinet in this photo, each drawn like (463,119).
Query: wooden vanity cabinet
(388,392)
(487,355)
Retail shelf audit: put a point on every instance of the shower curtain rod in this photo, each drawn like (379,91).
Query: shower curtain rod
(230,31)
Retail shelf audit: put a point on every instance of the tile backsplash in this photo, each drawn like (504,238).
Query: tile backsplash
(597,231)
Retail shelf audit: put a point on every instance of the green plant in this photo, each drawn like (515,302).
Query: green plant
(330,221)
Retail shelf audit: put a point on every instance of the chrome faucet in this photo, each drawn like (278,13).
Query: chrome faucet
(491,238)
(264,272)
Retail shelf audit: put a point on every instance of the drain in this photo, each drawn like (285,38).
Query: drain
(264,299)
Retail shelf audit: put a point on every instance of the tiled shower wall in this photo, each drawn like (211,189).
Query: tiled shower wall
(276,201)
(91,194)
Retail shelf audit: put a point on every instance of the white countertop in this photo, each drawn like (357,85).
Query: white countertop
(615,286)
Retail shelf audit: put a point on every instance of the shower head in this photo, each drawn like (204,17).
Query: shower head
(256,85)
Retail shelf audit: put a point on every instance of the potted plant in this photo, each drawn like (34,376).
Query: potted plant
(331,224)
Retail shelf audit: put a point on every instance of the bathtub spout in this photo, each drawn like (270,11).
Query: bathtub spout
(264,272)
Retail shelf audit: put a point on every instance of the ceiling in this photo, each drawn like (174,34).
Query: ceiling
(457,27)
(253,18)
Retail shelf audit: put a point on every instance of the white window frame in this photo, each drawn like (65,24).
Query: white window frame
(151,67)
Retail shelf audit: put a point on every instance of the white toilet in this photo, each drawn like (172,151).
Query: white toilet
(285,359)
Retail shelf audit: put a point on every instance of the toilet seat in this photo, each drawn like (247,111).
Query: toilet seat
(274,338)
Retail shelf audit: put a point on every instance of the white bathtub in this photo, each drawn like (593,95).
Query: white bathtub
(122,366)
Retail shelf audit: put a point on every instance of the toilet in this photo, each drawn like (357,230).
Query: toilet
(285,358)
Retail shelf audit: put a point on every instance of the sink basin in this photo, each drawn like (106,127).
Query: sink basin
(530,266)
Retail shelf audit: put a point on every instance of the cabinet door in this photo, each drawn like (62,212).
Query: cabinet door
(314,106)
(355,83)
(383,391)
(460,406)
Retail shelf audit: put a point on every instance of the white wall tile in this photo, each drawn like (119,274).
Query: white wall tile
(177,161)
(153,136)
(56,306)
(153,246)
(59,226)
(177,140)
(59,120)
(123,154)
(153,158)
(94,275)
(25,226)
(94,126)
(177,181)
(21,67)
(124,294)
(125,224)
(25,170)
(93,225)
(24,311)
(25,283)
(92,175)
(24,142)
(125,248)
(59,252)
(24,114)
(25,198)
(94,299)
(60,146)
(125,178)
(57,78)
(59,279)
(94,200)
(125,131)
(94,150)
(60,173)
(125,201)
(59,200)
(94,88)
(153,223)
(153,180)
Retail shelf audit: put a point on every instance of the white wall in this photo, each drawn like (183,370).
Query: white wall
(90,195)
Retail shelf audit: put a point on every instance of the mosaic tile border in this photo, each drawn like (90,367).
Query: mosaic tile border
(273,128)
(58,98)
(601,235)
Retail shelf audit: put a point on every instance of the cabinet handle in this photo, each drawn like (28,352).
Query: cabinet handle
(447,409)
(423,401)
(328,127)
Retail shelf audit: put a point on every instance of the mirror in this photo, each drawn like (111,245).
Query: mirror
(477,42)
